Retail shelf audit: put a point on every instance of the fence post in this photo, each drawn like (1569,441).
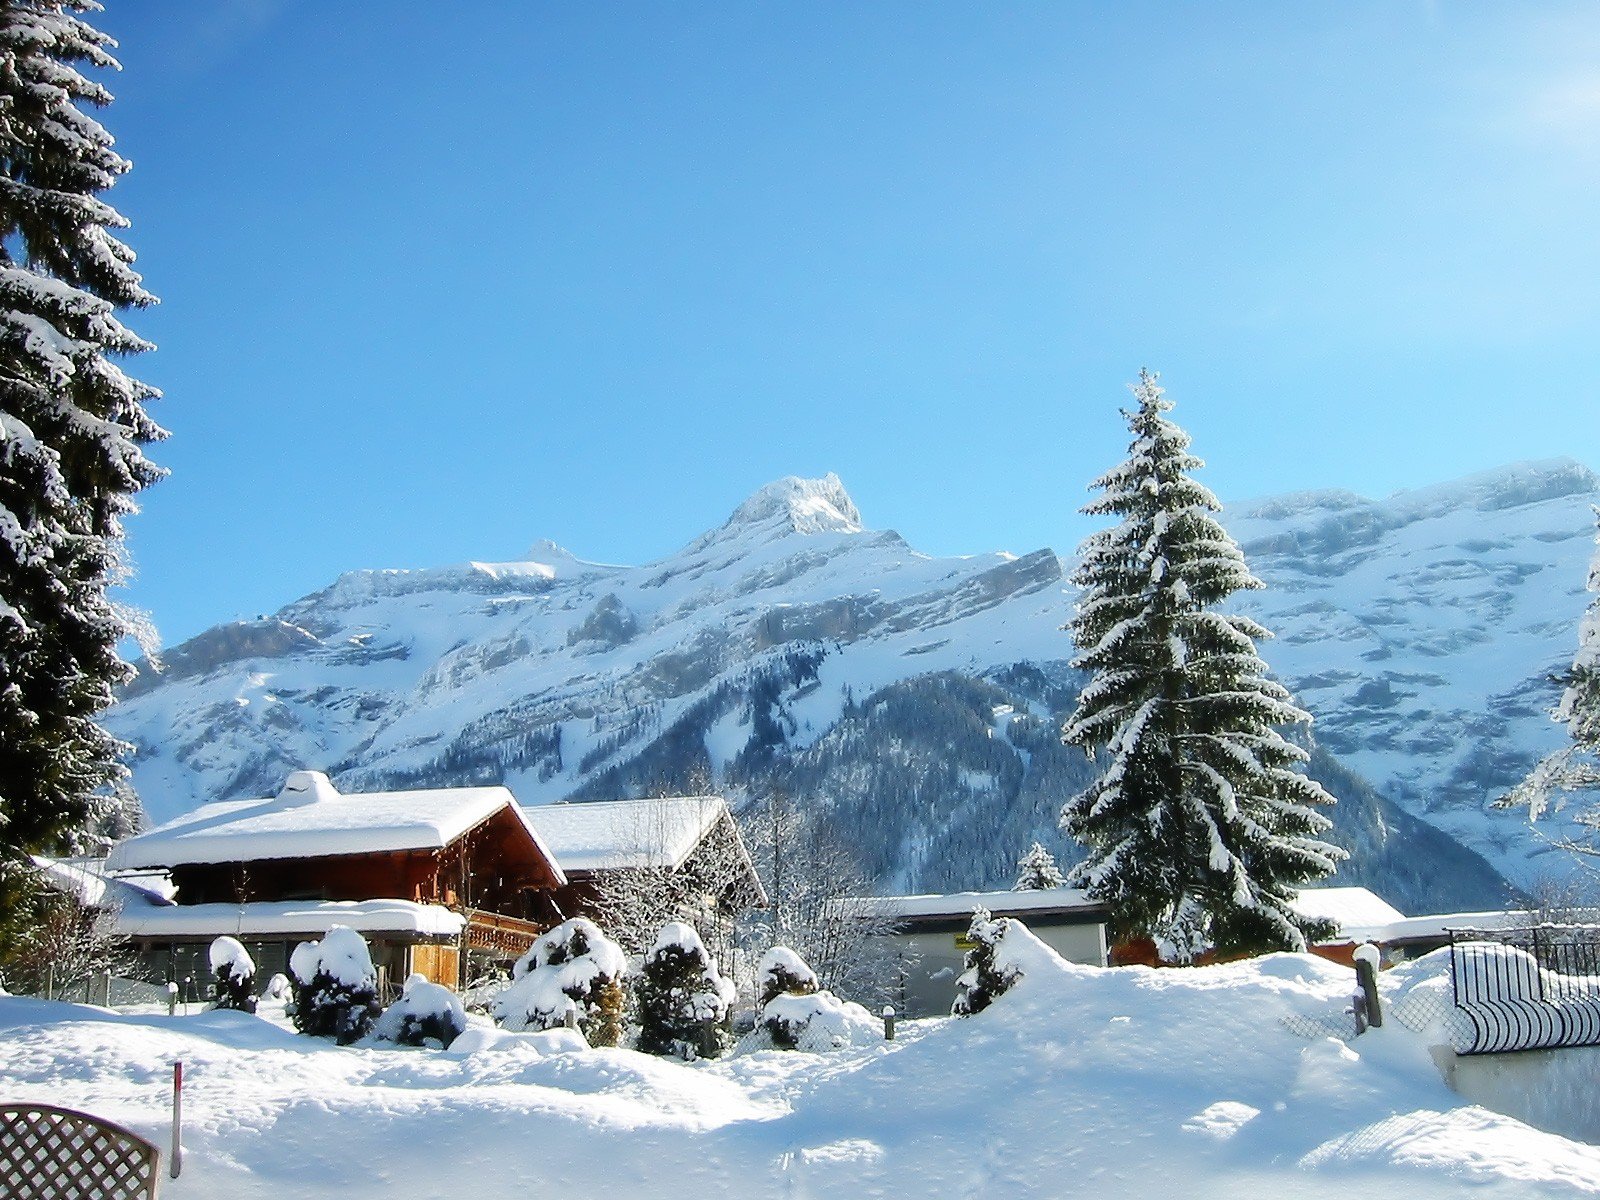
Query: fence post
(1367,977)
(570,1017)
(177,1118)
(172,997)
(888,1023)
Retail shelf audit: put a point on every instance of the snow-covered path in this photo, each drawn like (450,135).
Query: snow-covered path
(1104,1083)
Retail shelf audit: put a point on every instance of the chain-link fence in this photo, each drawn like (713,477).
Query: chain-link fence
(1426,1007)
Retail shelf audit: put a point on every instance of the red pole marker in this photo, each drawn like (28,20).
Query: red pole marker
(177,1118)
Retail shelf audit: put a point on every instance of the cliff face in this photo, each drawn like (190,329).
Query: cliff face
(917,698)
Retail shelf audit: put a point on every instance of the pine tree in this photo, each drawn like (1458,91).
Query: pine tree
(1037,871)
(1201,826)
(72,425)
(1575,767)
(983,978)
(683,1001)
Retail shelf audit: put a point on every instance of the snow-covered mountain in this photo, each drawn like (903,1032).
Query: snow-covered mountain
(917,697)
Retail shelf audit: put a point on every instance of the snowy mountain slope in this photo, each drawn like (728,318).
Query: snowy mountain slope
(1422,632)
(917,696)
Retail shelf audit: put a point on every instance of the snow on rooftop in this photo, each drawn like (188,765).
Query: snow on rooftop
(963,904)
(1365,917)
(609,835)
(86,879)
(1355,910)
(313,918)
(310,818)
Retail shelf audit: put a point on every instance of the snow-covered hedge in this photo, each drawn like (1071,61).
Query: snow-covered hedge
(684,1002)
(817,1021)
(427,1014)
(336,987)
(782,971)
(572,965)
(233,975)
(1005,950)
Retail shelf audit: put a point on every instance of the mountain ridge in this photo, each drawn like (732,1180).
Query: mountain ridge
(749,657)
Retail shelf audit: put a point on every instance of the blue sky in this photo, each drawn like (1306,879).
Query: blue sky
(436,286)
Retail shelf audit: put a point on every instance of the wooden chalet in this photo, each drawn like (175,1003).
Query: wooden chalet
(424,875)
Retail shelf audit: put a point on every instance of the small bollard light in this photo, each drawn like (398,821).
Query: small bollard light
(888,1023)
(172,997)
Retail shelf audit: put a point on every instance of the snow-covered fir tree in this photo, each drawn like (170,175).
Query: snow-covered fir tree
(683,1000)
(1576,766)
(1202,825)
(1037,871)
(72,424)
(983,977)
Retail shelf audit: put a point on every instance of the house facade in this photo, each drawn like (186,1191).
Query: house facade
(442,882)
(425,876)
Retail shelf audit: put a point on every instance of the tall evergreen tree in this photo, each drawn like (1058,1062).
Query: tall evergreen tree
(72,425)
(1575,767)
(1201,826)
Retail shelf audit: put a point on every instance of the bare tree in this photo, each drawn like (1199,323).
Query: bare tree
(65,943)
(819,900)
(708,889)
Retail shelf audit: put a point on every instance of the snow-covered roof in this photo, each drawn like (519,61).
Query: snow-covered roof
(310,818)
(1438,925)
(311,918)
(964,904)
(86,879)
(1355,910)
(1365,917)
(609,835)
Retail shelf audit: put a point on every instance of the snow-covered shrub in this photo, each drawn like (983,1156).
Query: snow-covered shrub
(278,987)
(336,988)
(1005,951)
(781,971)
(427,1014)
(817,1021)
(684,1002)
(572,965)
(233,976)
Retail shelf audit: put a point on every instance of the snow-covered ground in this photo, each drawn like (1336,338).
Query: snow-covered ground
(1081,1081)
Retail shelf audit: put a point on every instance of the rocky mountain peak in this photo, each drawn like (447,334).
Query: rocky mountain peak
(785,506)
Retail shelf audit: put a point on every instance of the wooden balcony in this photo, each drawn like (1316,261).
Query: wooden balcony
(502,936)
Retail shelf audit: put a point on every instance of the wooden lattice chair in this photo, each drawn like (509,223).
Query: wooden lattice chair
(49,1153)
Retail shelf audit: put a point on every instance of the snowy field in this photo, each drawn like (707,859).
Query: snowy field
(1080,1082)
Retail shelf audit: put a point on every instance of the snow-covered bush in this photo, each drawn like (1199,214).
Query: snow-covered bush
(684,1002)
(336,988)
(1004,950)
(278,987)
(233,976)
(817,1021)
(781,971)
(572,965)
(427,1014)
